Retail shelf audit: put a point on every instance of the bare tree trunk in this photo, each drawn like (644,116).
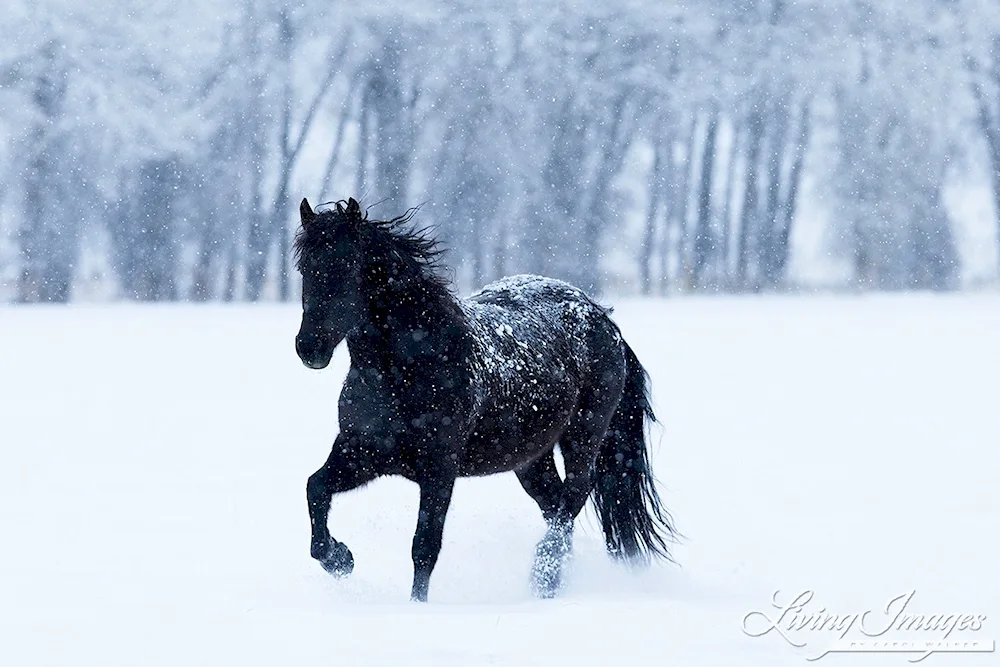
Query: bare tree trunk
(778,127)
(256,250)
(364,141)
(676,229)
(598,215)
(769,234)
(728,224)
(649,233)
(232,266)
(338,142)
(990,127)
(394,115)
(280,209)
(790,200)
(559,199)
(255,261)
(749,217)
(48,239)
(501,242)
(704,240)
(279,204)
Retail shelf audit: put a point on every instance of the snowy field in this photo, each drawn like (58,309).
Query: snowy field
(154,461)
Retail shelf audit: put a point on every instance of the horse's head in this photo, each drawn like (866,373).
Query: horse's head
(329,251)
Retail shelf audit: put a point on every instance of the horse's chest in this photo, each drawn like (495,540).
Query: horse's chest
(386,403)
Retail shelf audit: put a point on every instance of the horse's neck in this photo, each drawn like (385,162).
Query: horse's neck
(407,321)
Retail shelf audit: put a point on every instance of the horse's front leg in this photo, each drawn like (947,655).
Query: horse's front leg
(435,496)
(347,467)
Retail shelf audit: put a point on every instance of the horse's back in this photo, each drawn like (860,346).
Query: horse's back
(536,320)
(555,302)
(528,289)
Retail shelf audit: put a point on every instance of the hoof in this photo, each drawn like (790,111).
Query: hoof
(546,578)
(550,557)
(338,559)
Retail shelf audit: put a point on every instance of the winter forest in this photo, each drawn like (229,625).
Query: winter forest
(158,150)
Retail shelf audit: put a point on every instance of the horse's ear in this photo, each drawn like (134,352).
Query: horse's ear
(306,212)
(353,207)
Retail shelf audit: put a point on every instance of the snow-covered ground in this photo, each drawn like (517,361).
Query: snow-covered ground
(153,462)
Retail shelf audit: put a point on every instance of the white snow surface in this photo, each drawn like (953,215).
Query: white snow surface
(154,459)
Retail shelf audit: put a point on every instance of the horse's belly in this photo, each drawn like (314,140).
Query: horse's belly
(513,433)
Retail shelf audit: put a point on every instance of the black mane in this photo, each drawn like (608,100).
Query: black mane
(415,251)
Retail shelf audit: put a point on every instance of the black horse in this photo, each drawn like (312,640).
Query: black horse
(441,388)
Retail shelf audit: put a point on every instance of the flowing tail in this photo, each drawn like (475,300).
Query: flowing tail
(636,526)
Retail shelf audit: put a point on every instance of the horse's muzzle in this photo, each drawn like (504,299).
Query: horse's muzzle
(314,351)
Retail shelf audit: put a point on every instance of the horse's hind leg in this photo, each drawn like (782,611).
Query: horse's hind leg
(346,468)
(579,444)
(582,439)
(541,480)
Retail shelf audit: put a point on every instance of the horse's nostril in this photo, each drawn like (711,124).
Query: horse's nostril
(306,352)
(312,351)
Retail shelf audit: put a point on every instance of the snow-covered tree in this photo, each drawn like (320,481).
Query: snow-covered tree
(176,137)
